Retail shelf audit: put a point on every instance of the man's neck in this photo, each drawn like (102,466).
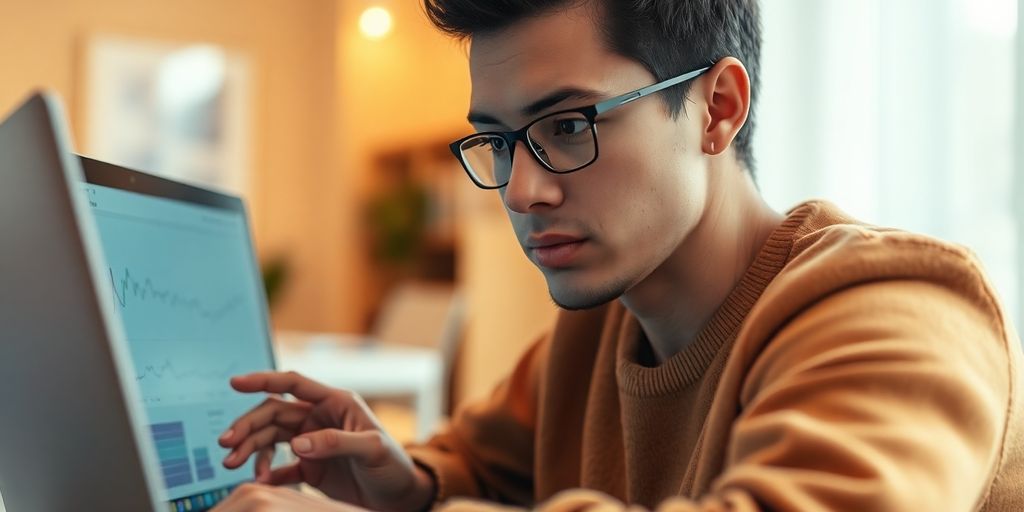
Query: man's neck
(680,297)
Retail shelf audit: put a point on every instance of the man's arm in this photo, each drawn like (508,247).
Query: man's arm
(887,396)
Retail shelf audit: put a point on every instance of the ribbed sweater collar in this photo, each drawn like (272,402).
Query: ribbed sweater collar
(686,367)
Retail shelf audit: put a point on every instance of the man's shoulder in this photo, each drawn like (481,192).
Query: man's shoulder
(835,249)
(833,252)
(828,234)
(849,287)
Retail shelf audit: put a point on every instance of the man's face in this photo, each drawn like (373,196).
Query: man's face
(598,232)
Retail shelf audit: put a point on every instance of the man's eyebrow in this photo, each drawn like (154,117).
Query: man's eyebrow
(567,93)
(540,105)
(481,118)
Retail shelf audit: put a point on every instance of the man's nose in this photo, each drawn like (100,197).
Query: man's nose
(530,185)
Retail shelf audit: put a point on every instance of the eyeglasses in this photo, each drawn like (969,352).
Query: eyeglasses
(563,142)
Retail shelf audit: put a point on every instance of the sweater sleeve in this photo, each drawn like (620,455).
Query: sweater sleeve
(486,451)
(885,396)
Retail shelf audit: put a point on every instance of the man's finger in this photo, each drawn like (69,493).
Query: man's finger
(368,446)
(293,383)
(273,411)
(263,460)
(260,439)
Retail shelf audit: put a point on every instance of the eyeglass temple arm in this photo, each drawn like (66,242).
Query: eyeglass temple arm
(622,99)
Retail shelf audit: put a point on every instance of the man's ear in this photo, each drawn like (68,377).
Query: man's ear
(727,96)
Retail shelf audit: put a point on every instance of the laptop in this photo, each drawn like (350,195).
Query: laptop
(126,303)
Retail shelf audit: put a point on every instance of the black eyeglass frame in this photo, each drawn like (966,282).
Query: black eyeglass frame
(589,112)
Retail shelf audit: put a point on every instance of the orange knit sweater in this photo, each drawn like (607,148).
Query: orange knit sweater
(852,368)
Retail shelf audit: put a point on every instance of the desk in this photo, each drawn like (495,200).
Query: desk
(370,369)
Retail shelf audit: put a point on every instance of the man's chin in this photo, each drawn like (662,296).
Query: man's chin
(580,299)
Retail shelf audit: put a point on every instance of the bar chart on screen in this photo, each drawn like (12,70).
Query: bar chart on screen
(172,449)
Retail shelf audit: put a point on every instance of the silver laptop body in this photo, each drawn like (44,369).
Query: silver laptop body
(71,434)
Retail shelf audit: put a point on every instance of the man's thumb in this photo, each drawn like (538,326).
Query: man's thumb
(365,446)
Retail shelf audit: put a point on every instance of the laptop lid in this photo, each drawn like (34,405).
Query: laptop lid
(72,436)
(184,278)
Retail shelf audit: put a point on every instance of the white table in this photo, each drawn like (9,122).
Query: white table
(370,369)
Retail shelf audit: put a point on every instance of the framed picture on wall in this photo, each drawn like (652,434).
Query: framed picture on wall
(175,109)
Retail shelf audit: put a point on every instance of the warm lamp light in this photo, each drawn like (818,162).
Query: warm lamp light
(375,22)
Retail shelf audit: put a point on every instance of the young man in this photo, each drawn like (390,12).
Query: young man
(713,354)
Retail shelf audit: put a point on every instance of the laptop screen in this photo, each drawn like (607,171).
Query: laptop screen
(185,282)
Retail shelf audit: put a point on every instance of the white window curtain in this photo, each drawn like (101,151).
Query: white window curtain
(902,112)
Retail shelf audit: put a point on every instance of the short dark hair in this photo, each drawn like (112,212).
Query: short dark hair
(668,37)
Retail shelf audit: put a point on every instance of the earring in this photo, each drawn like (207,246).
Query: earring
(712,147)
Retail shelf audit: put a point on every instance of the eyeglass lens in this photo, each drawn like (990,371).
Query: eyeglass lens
(563,142)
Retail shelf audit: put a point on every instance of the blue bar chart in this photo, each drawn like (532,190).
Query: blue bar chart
(173,453)
(204,470)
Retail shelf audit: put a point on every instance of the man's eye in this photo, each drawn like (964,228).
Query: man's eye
(570,126)
(498,144)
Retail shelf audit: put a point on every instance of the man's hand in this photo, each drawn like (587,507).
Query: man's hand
(261,498)
(342,449)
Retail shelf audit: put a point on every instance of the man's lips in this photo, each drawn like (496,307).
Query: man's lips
(554,250)
(549,239)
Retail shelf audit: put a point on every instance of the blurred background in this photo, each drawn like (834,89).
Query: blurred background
(331,118)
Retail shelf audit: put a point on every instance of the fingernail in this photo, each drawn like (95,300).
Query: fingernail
(227,434)
(230,457)
(302,445)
